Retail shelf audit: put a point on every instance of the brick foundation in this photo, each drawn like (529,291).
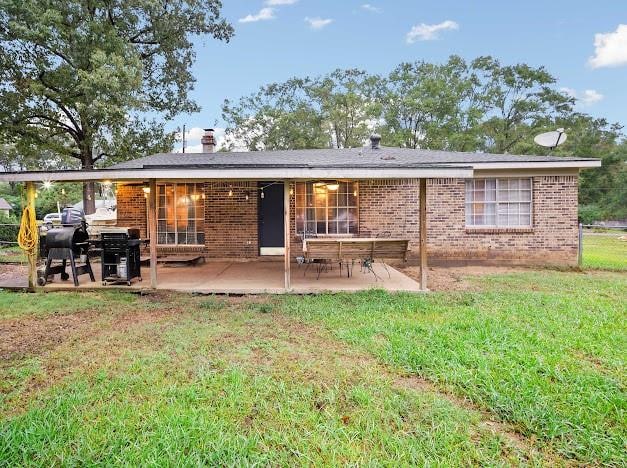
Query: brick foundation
(390,208)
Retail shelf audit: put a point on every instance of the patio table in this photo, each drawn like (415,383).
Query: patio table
(344,249)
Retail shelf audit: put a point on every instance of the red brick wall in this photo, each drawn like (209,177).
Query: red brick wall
(391,207)
(552,238)
(231,222)
(131,204)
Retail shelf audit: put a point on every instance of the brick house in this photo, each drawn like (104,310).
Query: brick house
(477,207)
(481,207)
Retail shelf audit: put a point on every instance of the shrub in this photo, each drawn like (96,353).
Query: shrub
(8,233)
(589,214)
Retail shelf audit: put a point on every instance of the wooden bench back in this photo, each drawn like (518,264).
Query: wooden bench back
(391,249)
(327,250)
(338,249)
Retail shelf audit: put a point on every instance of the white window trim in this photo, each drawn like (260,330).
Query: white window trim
(176,234)
(496,203)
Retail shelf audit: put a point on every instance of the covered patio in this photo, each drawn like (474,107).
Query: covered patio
(243,277)
(257,217)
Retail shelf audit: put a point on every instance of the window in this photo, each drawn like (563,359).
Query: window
(498,202)
(180,214)
(326,208)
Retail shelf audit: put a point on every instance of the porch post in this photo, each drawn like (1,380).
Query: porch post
(286,233)
(31,193)
(152,231)
(423,234)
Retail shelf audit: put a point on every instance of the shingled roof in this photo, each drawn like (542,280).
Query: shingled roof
(348,163)
(5,205)
(366,157)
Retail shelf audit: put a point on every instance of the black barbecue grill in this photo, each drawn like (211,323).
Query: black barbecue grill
(121,260)
(69,242)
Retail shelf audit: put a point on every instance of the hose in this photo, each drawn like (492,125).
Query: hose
(28,235)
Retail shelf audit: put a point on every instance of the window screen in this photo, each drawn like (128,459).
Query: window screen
(498,202)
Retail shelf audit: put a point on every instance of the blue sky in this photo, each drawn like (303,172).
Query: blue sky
(278,39)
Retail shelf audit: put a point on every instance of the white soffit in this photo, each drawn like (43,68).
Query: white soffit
(239,174)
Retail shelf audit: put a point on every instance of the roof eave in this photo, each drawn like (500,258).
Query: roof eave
(239,174)
(568,164)
(444,170)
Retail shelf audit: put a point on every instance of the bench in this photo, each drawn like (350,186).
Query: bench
(346,250)
(176,260)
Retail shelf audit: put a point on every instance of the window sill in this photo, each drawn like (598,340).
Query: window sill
(321,236)
(181,246)
(498,230)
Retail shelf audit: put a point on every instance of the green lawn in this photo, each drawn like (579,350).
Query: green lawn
(528,369)
(12,255)
(605,251)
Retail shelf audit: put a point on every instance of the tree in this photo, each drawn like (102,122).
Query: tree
(334,110)
(279,116)
(603,189)
(77,76)
(436,106)
(461,106)
(348,104)
(521,99)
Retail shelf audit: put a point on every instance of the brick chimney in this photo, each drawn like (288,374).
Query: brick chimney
(208,141)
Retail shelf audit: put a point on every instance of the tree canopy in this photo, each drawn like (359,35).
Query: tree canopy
(78,77)
(459,105)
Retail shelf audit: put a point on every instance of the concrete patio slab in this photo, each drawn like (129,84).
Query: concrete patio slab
(250,277)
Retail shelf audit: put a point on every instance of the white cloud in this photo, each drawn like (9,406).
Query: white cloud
(190,149)
(591,96)
(429,32)
(192,139)
(585,98)
(318,23)
(280,2)
(371,8)
(194,133)
(610,49)
(263,15)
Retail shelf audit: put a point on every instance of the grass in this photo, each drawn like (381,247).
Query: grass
(605,251)
(217,382)
(59,303)
(542,351)
(528,369)
(12,255)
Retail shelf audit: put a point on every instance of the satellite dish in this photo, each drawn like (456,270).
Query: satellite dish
(551,139)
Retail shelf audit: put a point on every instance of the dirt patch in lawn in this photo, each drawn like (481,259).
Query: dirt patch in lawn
(25,337)
(9,273)
(21,338)
(456,278)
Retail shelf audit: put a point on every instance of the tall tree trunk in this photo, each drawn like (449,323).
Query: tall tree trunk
(89,191)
